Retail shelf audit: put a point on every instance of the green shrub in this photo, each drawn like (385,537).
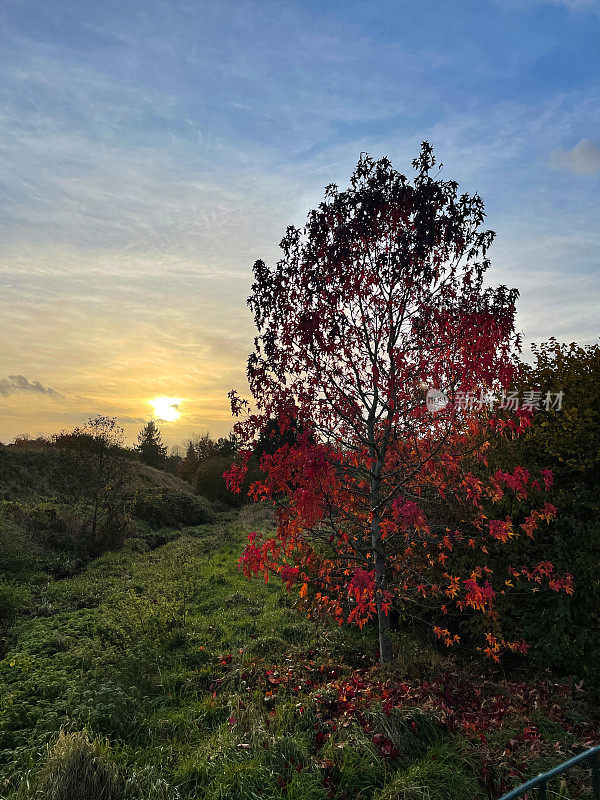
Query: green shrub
(562,631)
(54,523)
(111,531)
(210,482)
(47,515)
(24,473)
(441,775)
(13,599)
(58,527)
(78,768)
(169,508)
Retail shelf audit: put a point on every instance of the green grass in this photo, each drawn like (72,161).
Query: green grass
(163,674)
(130,647)
(130,651)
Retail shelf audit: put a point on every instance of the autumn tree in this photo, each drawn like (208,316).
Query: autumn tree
(150,446)
(377,300)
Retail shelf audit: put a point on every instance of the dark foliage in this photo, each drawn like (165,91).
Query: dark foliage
(167,507)
(150,446)
(565,636)
(95,473)
(202,448)
(209,481)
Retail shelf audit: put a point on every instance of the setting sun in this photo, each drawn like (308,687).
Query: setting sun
(166,409)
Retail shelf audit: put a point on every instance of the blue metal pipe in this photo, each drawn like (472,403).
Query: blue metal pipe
(542,779)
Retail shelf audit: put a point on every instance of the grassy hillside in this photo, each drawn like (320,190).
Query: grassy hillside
(150,477)
(43,534)
(26,473)
(161,673)
(30,472)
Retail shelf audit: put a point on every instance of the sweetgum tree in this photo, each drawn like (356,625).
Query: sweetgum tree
(379,298)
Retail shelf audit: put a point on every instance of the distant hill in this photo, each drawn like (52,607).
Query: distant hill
(30,472)
(26,472)
(150,477)
(43,531)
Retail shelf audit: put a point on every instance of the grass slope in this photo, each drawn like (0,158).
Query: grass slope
(164,674)
(149,477)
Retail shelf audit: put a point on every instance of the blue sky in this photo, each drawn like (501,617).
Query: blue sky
(151,151)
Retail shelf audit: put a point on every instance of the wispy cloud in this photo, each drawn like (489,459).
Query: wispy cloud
(575,6)
(149,155)
(19,383)
(579,5)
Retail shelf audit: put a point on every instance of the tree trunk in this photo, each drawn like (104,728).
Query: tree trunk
(385,646)
(380,563)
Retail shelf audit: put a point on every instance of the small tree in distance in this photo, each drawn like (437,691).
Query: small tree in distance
(150,446)
(189,464)
(378,298)
(95,470)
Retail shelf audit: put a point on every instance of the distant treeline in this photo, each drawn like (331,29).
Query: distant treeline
(201,461)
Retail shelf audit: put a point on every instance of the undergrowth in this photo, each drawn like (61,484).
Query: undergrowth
(162,674)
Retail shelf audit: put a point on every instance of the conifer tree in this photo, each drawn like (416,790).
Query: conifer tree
(188,467)
(150,446)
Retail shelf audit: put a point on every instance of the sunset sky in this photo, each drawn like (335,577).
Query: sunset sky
(151,151)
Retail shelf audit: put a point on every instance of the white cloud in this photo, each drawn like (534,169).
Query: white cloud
(584,158)
(579,5)
(570,5)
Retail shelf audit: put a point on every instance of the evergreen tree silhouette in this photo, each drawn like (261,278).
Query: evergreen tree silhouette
(150,446)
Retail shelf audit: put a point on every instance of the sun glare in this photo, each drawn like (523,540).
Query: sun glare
(166,409)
